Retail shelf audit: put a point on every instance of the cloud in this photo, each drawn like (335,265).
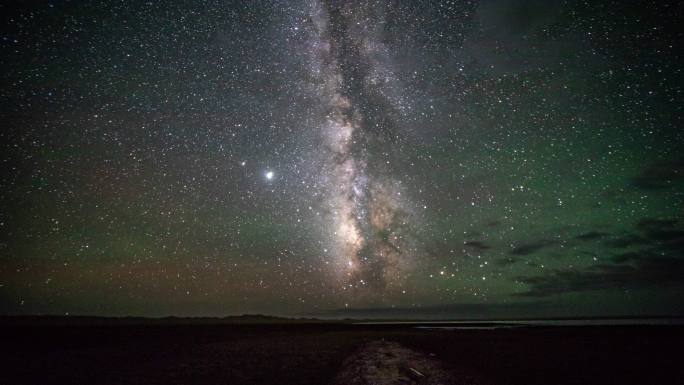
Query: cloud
(647,224)
(645,271)
(627,257)
(663,232)
(506,261)
(660,175)
(591,235)
(654,232)
(493,223)
(480,246)
(658,261)
(530,248)
(627,240)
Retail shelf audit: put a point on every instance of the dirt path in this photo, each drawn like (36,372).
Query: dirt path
(388,363)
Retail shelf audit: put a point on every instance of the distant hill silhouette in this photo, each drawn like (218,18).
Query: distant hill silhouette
(171,320)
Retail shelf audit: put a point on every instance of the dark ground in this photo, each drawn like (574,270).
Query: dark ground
(313,353)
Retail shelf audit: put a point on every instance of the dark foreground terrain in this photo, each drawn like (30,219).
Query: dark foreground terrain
(332,353)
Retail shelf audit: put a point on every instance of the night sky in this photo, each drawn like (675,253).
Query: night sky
(332,158)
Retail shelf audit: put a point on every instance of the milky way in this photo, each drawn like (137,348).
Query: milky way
(364,158)
(354,81)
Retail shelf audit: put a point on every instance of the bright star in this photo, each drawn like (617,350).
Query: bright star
(269,175)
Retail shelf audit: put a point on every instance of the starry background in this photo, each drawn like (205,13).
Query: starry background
(362,158)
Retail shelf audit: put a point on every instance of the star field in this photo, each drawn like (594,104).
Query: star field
(330,158)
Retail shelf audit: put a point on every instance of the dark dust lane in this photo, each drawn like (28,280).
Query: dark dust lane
(388,363)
